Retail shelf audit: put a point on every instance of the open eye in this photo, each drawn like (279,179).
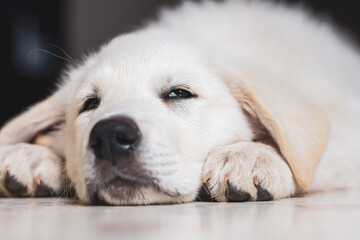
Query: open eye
(178,94)
(90,104)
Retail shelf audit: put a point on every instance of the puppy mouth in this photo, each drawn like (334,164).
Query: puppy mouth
(125,183)
(118,186)
(126,188)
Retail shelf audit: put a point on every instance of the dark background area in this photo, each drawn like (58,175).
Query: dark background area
(81,26)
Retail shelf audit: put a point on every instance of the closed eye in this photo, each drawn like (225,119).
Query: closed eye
(90,103)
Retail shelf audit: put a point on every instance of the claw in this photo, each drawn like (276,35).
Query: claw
(256,180)
(38,179)
(207,178)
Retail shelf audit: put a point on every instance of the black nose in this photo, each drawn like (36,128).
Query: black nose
(114,139)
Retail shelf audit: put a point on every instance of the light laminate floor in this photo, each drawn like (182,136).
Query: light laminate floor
(334,215)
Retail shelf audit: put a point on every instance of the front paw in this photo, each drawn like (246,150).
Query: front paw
(29,170)
(247,171)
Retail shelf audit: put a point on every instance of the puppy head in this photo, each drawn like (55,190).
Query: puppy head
(142,115)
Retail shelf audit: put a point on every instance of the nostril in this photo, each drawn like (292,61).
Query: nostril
(124,139)
(96,142)
(127,138)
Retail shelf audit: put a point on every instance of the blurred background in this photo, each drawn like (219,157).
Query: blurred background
(81,26)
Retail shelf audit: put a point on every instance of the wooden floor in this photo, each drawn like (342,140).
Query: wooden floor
(333,215)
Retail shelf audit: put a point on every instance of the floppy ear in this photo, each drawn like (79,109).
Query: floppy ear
(39,118)
(298,128)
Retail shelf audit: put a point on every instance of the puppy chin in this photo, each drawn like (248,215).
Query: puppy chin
(119,191)
(138,196)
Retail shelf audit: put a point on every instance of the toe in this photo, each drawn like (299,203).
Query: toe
(14,186)
(235,195)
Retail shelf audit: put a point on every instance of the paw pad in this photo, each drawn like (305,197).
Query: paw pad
(204,194)
(43,190)
(235,195)
(14,186)
(263,194)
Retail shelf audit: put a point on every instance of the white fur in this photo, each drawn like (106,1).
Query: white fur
(184,47)
(240,163)
(32,165)
(305,52)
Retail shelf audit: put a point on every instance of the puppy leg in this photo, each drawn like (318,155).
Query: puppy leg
(247,171)
(29,170)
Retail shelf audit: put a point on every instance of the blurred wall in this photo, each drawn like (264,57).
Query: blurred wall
(27,74)
(81,26)
(90,24)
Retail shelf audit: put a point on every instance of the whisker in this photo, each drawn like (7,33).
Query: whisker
(207,191)
(53,54)
(68,184)
(63,51)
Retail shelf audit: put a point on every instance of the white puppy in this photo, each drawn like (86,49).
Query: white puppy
(235,96)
